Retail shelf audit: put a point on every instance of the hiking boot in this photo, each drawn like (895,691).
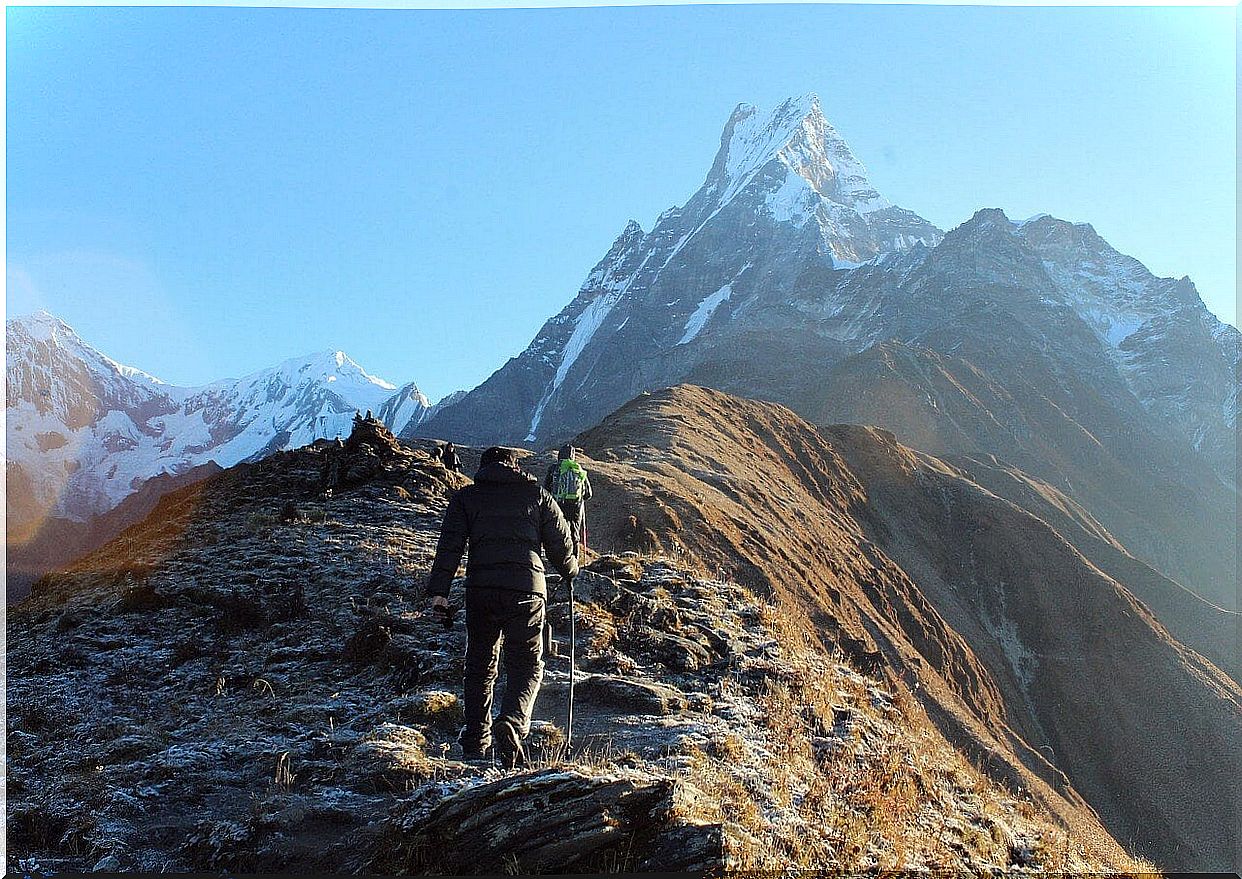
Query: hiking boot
(509,750)
(478,758)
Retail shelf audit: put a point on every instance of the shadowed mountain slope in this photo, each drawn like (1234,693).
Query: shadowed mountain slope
(59,541)
(1196,622)
(998,395)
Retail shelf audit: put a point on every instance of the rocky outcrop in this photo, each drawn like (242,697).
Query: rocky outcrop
(640,697)
(555,819)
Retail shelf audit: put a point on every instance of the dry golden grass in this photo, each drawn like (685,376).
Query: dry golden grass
(886,790)
(597,624)
(731,803)
(439,709)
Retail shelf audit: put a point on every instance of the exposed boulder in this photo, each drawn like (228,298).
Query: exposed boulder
(641,697)
(554,820)
(590,586)
(676,652)
(624,567)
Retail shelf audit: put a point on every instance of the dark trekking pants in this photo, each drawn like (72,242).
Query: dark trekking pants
(575,515)
(494,616)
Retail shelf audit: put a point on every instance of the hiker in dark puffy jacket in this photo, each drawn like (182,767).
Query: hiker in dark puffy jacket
(567,481)
(504,518)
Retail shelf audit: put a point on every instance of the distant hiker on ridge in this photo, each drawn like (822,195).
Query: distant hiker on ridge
(330,470)
(504,518)
(448,457)
(567,481)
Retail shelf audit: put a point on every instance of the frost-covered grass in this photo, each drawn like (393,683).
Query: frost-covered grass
(830,770)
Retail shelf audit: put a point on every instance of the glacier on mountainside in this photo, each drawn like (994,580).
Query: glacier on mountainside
(587,326)
(703,313)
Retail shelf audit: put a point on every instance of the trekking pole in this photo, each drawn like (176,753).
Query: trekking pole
(569,718)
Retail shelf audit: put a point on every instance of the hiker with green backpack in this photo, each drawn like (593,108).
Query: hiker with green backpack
(567,481)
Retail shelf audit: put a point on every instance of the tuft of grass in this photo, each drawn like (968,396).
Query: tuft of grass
(261,523)
(598,625)
(439,708)
(284,771)
(395,758)
(728,747)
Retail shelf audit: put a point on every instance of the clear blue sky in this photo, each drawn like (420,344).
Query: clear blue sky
(204,192)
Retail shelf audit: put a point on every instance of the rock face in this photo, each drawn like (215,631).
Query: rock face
(557,819)
(837,628)
(786,277)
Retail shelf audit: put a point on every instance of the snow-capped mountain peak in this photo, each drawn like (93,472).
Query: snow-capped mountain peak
(334,369)
(44,328)
(785,196)
(798,137)
(85,431)
(407,407)
(60,376)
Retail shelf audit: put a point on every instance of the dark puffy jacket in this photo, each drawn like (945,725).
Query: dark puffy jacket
(505,517)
